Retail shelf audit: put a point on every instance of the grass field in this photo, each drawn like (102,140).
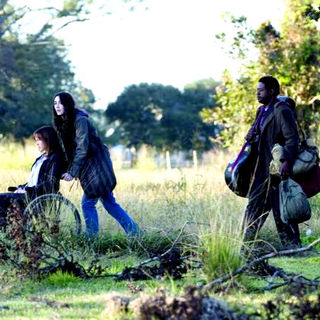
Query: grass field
(182,205)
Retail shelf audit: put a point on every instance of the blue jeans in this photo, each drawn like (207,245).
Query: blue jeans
(109,202)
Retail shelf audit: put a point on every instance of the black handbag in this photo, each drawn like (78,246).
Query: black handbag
(239,172)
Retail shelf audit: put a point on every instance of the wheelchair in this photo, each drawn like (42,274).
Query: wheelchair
(54,213)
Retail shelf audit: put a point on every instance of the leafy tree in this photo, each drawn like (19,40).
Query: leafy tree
(184,126)
(32,68)
(139,110)
(162,116)
(291,55)
(30,74)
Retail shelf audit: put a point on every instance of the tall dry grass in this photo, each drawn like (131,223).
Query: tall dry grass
(157,199)
(163,201)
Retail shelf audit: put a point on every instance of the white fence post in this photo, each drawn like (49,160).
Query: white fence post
(168,160)
(195,159)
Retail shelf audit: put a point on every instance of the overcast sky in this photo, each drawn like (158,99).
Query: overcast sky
(172,42)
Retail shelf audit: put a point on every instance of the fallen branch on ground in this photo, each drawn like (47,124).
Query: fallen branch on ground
(255,262)
(298,279)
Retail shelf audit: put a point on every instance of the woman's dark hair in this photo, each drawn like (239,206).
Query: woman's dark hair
(67,101)
(50,137)
(271,83)
(64,124)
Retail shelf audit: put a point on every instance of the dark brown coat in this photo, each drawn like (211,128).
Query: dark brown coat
(279,127)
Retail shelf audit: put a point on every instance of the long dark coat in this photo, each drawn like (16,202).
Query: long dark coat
(91,160)
(278,127)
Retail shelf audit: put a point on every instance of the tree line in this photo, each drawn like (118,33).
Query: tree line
(164,117)
(152,114)
(33,66)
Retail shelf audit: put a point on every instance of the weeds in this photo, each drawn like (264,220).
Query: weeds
(220,248)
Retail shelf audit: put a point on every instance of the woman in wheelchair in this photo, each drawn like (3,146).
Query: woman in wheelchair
(45,174)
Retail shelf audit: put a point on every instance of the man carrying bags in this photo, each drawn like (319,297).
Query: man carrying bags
(274,123)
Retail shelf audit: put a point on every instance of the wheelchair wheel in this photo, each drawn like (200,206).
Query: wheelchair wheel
(53,214)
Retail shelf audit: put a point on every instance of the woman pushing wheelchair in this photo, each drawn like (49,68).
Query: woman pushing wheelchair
(89,161)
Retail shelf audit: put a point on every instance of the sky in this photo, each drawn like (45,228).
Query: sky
(171,42)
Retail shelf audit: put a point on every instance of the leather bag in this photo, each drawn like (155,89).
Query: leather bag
(308,159)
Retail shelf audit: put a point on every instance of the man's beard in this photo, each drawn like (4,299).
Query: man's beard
(264,100)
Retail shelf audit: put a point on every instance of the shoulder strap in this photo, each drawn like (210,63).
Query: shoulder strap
(304,138)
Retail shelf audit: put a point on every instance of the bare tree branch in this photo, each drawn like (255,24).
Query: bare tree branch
(20,13)
(65,25)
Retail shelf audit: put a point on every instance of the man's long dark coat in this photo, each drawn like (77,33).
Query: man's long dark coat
(279,126)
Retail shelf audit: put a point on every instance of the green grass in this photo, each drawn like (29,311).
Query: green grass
(86,299)
(220,247)
(189,208)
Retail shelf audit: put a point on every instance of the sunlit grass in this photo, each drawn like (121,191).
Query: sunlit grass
(16,156)
(192,206)
(160,200)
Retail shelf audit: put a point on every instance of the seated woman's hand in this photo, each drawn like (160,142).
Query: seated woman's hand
(67,176)
(20,190)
